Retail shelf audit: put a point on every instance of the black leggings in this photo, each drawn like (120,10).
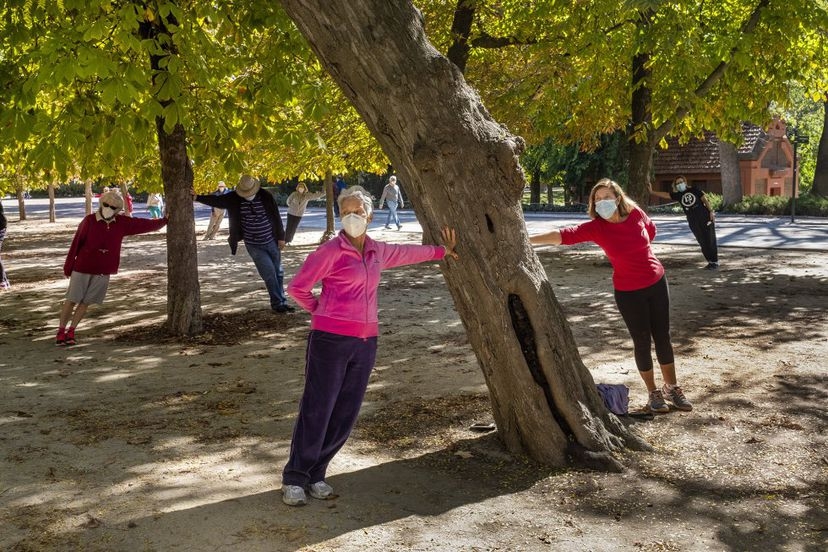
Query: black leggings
(646,313)
(706,236)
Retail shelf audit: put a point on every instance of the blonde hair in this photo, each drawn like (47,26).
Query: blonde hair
(625,204)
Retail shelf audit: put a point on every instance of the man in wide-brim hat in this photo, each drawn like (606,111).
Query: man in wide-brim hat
(254,218)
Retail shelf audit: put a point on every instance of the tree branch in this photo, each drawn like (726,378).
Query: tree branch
(715,76)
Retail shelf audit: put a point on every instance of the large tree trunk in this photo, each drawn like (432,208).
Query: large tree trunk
(461,168)
(821,171)
(183,291)
(731,177)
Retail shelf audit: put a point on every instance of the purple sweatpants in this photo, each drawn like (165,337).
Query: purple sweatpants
(337,369)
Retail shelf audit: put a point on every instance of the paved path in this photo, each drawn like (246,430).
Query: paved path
(806,233)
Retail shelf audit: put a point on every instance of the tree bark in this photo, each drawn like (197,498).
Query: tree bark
(461,24)
(821,171)
(184,315)
(461,168)
(731,177)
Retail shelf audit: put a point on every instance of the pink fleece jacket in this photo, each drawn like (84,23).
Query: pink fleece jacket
(348,302)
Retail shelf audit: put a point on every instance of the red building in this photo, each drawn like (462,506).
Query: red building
(765,162)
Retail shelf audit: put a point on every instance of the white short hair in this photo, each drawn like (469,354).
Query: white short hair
(392,179)
(360,193)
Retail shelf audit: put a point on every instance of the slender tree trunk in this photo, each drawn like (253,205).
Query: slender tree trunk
(731,177)
(183,292)
(52,213)
(330,226)
(642,145)
(821,171)
(461,168)
(87,193)
(21,197)
(535,187)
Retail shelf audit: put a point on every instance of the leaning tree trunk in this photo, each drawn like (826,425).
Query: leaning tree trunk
(183,291)
(461,168)
(821,171)
(731,178)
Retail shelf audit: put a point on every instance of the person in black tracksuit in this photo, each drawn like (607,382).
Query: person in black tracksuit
(700,217)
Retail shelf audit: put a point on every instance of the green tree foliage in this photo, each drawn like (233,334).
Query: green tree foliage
(565,70)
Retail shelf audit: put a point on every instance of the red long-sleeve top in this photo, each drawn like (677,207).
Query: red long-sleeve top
(96,248)
(627,246)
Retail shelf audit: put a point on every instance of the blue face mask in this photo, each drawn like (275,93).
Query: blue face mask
(606,208)
(681,186)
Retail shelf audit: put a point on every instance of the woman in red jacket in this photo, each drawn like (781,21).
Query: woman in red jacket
(625,233)
(94,255)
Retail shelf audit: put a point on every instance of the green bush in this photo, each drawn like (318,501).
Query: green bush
(807,205)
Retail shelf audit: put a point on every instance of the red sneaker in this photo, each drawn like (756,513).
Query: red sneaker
(70,336)
(61,337)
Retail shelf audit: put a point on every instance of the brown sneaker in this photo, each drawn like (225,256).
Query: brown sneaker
(676,396)
(656,402)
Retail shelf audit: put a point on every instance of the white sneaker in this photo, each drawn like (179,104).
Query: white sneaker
(320,490)
(294,495)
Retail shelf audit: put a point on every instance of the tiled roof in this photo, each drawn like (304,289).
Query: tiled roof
(702,156)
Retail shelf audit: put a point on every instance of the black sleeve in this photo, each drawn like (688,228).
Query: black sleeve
(221,201)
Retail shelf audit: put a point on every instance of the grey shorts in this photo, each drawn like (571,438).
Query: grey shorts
(87,288)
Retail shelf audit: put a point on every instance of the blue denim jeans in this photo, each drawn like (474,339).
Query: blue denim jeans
(268,261)
(392,213)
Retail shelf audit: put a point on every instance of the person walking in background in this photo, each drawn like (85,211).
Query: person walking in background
(93,257)
(338,187)
(4,279)
(342,343)
(625,233)
(155,205)
(700,217)
(127,204)
(216,214)
(297,202)
(392,197)
(254,218)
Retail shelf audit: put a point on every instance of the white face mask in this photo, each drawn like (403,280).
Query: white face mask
(354,225)
(107,212)
(681,186)
(606,208)
(249,198)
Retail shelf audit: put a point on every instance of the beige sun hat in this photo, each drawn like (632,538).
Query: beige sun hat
(113,199)
(247,186)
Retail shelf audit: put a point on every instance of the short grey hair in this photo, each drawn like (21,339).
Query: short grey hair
(360,193)
(392,178)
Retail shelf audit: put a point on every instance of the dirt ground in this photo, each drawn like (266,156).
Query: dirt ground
(133,442)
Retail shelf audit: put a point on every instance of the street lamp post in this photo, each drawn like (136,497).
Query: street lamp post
(796,138)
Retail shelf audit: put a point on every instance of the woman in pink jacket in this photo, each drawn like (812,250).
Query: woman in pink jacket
(342,343)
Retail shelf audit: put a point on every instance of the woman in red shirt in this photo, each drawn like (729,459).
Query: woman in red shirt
(625,233)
